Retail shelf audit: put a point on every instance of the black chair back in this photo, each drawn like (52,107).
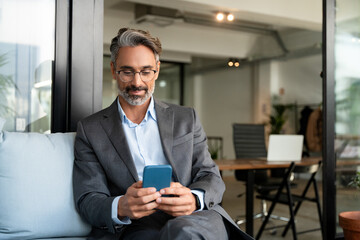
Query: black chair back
(249,140)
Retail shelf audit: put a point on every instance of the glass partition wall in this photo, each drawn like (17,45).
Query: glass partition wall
(27,46)
(347,103)
(168,85)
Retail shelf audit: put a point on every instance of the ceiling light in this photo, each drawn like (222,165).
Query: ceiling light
(220,16)
(230,17)
(237,64)
(231,62)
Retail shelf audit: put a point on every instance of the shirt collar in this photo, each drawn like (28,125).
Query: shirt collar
(151,109)
(150,112)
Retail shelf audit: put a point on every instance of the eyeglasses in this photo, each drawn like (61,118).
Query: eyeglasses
(128,76)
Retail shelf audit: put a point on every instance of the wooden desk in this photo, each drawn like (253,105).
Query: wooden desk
(250,165)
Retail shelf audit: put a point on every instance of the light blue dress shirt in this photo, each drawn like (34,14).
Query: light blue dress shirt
(146,149)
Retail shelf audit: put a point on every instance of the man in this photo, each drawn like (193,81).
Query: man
(113,146)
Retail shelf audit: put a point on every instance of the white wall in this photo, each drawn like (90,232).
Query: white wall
(300,79)
(263,76)
(220,98)
(302,84)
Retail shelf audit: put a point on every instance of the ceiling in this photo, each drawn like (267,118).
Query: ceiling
(306,14)
(262,29)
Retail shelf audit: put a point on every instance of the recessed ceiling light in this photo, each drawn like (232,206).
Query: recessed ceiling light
(220,16)
(230,17)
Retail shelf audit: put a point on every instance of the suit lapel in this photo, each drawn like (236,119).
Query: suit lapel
(113,128)
(165,120)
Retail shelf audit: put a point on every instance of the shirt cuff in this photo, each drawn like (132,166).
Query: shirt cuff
(200,195)
(114,213)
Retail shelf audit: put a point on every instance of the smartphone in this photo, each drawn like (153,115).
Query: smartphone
(158,176)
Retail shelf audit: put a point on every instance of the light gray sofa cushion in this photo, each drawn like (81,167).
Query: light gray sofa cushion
(36,187)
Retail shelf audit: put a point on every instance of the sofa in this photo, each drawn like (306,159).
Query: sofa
(36,199)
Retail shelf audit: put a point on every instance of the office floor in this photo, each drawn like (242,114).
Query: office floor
(306,218)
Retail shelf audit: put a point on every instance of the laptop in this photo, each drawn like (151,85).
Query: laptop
(285,147)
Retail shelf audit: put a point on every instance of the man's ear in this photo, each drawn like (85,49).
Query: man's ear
(113,69)
(158,69)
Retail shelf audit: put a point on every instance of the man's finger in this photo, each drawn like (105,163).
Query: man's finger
(140,192)
(149,198)
(138,184)
(170,201)
(175,191)
(145,207)
(175,184)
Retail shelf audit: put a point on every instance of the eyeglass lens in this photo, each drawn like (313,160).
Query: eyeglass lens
(128,76)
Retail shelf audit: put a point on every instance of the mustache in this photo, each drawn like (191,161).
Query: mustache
(134,88)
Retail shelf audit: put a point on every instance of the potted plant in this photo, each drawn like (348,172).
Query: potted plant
(278,117)
(214,146)
(350,221)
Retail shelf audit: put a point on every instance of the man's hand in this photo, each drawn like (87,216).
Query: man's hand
(138,202)
(184,202)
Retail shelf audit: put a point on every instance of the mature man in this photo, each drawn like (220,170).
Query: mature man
(113,146)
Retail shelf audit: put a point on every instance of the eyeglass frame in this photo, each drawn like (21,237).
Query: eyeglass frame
(133,74)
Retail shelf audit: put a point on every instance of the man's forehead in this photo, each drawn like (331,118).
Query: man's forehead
(132,64)
(133,67)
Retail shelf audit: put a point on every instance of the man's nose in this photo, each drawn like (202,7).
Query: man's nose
(137,79)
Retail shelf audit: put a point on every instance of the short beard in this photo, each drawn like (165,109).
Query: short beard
(136,100)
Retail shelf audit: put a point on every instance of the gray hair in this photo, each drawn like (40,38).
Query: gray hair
(128,37)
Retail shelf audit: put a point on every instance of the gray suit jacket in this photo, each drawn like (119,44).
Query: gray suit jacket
(104,167)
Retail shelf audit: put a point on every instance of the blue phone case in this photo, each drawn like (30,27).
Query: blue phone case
(158,176)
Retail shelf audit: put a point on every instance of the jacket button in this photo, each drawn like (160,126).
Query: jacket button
(211,204)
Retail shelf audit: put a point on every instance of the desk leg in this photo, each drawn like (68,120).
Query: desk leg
(250,202)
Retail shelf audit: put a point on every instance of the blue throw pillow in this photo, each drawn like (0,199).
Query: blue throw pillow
(36,186)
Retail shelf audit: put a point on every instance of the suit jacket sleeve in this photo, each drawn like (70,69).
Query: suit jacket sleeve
(204,172)
(92,197)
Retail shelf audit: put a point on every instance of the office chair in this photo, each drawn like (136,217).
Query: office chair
(249,142)
(294,201)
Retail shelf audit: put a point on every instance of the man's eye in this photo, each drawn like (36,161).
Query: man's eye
(144,73)
(128,73)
